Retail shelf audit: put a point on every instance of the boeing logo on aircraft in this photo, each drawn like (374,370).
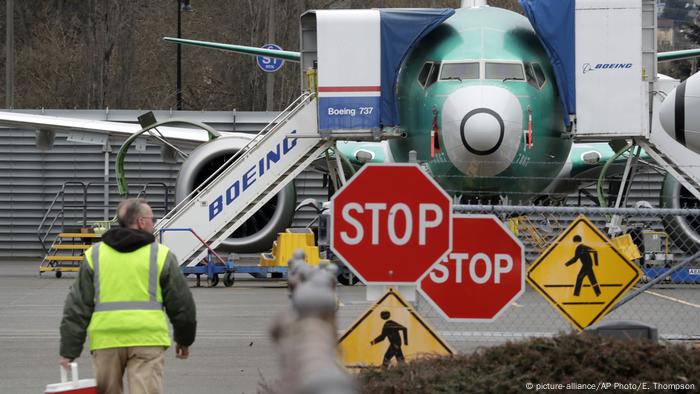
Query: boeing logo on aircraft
(255,171)
(605,66)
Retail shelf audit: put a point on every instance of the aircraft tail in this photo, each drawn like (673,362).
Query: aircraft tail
(277,54)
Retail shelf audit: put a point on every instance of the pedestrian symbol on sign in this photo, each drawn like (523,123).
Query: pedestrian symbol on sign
(588,257)
(380,335)
(391,331)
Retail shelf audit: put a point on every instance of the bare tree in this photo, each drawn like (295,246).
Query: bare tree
(98,53)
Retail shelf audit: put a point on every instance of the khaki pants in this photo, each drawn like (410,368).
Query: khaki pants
(143,364)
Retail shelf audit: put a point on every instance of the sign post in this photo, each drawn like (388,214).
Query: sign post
(391,223)
(483,273)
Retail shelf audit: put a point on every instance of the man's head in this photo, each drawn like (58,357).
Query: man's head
(136,214)
(577,238)
(385,315)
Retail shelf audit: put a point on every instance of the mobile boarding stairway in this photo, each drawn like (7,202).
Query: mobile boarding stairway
(242,185)
(351,77)
(72,223)
(676,164)
(606,69)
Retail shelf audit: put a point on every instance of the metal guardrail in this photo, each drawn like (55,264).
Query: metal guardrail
(200,239)
(56,212)
(61,194)
(667,296)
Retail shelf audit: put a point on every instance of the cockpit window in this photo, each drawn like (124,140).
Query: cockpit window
(505,71)
(423,75)
(428,74)
(433,75)
(459,71)
(539,74)
(535,75)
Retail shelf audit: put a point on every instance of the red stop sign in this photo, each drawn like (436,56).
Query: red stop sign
(391,223)
(483,273)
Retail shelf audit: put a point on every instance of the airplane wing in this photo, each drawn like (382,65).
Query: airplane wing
(286,55)
(81,129)
(677,55)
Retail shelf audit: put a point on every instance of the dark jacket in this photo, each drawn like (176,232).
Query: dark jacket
(80,303)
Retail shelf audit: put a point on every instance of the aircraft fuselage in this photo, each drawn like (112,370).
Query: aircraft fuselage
(482,77)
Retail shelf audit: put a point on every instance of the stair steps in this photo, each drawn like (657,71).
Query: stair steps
(682,174)
(67,251)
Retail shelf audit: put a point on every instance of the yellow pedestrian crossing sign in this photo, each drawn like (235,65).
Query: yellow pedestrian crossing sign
(582,274)
(390,332)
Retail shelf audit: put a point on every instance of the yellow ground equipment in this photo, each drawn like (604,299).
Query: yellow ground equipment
(285,245)
(525,229)
(626,246)
(66,253)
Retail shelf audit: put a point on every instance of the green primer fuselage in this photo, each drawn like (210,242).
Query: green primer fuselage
(483,34)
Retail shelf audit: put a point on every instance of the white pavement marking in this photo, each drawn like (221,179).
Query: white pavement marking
(472,335)
(678,300)
(6,334)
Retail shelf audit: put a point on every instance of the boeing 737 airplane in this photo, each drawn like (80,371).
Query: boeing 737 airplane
(478,103)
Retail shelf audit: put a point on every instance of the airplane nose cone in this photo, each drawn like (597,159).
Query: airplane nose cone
(482,129)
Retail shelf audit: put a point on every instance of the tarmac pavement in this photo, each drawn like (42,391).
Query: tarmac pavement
(233,353)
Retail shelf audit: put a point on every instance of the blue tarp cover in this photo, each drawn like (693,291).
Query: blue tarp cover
(554,23)
(400,30)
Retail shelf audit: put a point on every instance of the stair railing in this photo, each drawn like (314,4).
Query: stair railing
(200,239)
(166,194)
(60,213)
(280,120)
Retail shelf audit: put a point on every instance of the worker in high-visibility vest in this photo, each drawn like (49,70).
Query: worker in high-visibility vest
(118,299)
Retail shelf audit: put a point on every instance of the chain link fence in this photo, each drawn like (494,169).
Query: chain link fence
(662,243)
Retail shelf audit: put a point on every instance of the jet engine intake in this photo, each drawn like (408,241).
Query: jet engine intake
(683,230)
(257,233)
(679,115)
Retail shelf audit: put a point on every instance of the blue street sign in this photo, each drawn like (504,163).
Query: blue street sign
(269,64)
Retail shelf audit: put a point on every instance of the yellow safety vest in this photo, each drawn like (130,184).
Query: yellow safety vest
(128,299)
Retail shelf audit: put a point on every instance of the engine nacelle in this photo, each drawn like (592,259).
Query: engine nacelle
(684,231)
(679,113)
(258,232)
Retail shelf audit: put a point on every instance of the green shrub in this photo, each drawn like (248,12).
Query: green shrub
(565,359)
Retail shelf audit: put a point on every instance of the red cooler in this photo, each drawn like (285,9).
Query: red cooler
(75,385)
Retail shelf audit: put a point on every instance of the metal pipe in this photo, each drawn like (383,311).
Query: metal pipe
(105,188)
(656,280)
(10,55)
(572,210)
(178,84)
